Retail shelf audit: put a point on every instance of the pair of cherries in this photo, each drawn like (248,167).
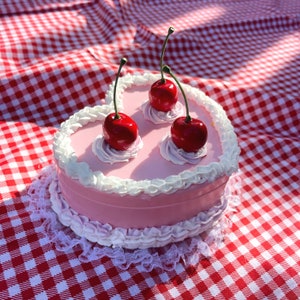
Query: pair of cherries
(190,134)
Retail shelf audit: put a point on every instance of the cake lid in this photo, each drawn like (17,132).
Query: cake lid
(66,157)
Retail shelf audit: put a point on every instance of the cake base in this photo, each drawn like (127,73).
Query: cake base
(189,251)
(132,238)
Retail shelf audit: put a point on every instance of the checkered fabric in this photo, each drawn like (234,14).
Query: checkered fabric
(58,56)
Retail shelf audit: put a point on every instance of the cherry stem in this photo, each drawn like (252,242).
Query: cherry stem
(167,70)
(122,63)
(170,31)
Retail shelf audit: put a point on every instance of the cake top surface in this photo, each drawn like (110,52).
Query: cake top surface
(148,172)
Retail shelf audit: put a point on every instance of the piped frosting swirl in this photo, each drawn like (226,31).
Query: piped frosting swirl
(109,155)
(160,117)
(171,152)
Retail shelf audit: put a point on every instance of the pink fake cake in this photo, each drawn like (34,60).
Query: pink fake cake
(150,197)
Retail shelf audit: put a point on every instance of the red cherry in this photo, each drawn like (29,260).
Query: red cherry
(190,136)
(187,133)
(163,95)
(119,132)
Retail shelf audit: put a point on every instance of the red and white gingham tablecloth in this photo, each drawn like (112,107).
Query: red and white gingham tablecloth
(59,56)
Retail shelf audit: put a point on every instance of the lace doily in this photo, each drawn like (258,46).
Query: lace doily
(189,251)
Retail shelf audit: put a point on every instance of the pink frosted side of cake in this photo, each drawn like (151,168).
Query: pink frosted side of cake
(136,212)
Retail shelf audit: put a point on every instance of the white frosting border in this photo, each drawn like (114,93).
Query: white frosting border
(66,158)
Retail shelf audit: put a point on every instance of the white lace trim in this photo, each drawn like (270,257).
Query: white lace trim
(188,252)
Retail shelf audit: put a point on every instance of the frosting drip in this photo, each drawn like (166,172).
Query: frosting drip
(160,117)
(109,155)
(171,152)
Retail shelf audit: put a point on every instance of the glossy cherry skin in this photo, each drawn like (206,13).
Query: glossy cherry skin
(163,95)
(120,133)
(190,136)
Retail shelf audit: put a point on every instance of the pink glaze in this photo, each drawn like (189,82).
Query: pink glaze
(142,210)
